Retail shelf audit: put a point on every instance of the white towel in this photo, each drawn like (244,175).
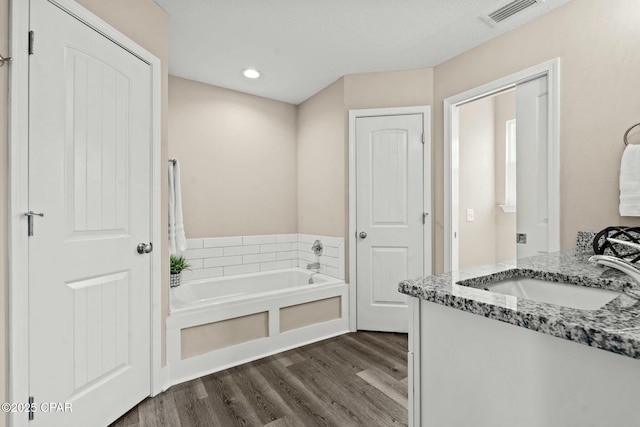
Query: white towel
(630,181)
(177,237)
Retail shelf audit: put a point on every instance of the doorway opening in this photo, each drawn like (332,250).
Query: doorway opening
(502,183)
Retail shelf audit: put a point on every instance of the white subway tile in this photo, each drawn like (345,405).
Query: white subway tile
(329,261)
(331,241)
(333,272)
(341,263)
(250,259)
(195,264)
(288,255)
(203,253)
(306,238)
(241,269)
(223,261)
(218,242)
(259,240)
(241,250)
(277,247)
(286,238)
(194,243)
(330,251)
(204,273)
(274,265)
(307,256)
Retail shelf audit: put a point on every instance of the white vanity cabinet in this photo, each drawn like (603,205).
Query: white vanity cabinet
(468,370)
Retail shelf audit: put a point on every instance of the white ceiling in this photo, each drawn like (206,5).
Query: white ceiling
(301,46)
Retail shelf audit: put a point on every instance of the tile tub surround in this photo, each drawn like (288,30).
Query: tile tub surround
(225,256)
(614,328)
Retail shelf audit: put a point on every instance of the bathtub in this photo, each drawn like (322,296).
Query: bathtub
(218,323)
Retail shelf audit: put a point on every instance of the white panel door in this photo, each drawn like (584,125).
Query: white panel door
(89,174)
(532,167)
(390,231)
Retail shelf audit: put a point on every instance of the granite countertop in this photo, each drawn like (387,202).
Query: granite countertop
(614,327)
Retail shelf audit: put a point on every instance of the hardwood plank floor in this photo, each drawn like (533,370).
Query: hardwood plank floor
(357,379)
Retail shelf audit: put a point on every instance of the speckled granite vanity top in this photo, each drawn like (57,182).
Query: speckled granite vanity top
(615,327)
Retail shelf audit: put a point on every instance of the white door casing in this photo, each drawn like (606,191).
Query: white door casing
(390,208)
(93,155)
(532,167)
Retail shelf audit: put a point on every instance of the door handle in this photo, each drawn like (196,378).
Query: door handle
(30,216)
(144,248)
(363,235)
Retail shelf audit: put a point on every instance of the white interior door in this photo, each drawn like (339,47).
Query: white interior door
(89,174)
(389,217)
(532,186)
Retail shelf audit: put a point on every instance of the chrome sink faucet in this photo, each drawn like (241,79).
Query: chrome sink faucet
(629,268)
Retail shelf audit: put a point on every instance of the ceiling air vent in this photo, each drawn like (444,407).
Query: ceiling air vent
(511,9)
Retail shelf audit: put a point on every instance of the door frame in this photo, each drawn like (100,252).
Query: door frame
(426,174)
(18,248)
(551,69)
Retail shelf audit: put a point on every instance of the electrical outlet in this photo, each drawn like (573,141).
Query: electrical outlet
(471,215)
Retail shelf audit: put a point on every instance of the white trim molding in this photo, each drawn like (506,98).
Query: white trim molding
(427,208)
(18,274)
(551,69)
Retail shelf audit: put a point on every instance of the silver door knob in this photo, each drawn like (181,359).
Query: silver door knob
(363,235)
(144,248)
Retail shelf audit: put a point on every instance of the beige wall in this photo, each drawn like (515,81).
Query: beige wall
(490,237)
(322,163)
(477,188)
(4,73)
(505,242)
(404,88)
(238,157)
(597,42)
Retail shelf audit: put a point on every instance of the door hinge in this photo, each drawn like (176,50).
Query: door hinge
(32,413)
(424,217)
(31,36)
(423,139)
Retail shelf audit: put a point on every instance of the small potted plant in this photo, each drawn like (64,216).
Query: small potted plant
(177,265)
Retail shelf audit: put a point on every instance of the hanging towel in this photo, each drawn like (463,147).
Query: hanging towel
(177,238)
(630,181)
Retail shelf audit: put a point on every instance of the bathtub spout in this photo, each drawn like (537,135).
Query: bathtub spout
(313,266)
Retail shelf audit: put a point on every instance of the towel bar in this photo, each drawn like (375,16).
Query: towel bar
(626,134)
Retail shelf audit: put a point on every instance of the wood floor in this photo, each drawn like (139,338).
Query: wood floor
(357,379)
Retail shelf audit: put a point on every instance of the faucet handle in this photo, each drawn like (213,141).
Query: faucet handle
(317,247)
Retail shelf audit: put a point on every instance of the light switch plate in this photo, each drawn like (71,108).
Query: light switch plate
(471,215)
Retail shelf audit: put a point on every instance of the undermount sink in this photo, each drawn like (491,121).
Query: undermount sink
(564,294)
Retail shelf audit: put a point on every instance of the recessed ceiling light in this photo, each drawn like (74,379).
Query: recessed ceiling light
(251,73)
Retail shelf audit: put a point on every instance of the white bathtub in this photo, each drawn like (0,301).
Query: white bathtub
(245,287)
(218,323)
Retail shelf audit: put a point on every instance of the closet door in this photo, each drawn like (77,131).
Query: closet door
(90,177)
